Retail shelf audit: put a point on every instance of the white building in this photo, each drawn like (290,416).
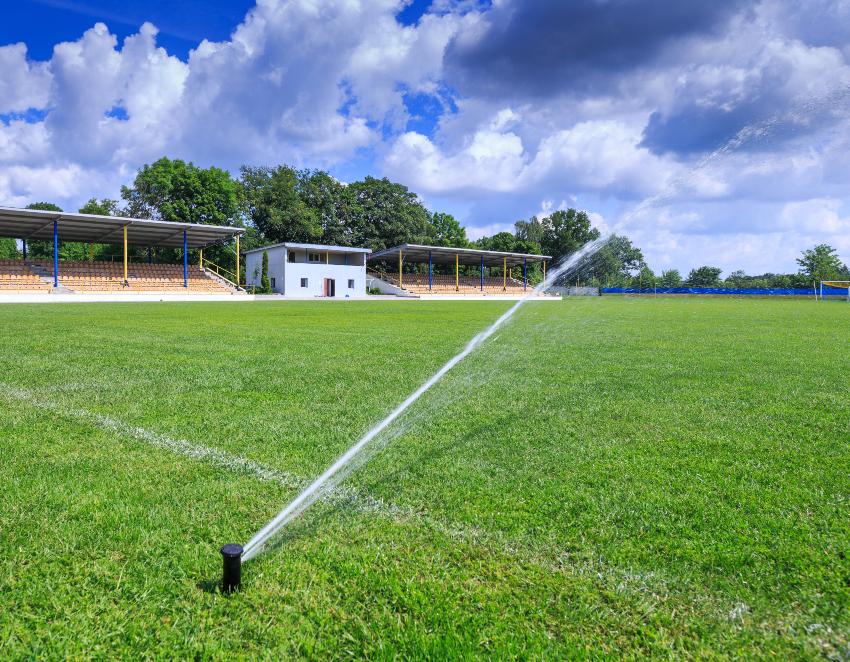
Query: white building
(310,270)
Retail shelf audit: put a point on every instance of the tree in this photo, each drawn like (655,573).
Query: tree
(565,232)
(821,263)
(446,231)
(645,279)
(671,278)
(330,203)
(105,207)
(275,207)
(183,193)
(618,261)
(531,230)
(265,284)
(387,214)
(704,277)
(8,249)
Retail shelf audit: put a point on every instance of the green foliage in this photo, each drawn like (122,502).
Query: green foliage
(821,263)
(265,283)
(704,277)
(105,207)
(9,249)
(446,231)
(564,232)
(44,206)
(41,248)
(670,278)
(532,231)
(387,214)
(275,206)
(181,192)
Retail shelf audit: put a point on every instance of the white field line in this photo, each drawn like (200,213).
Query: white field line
(212,456)
(656,588)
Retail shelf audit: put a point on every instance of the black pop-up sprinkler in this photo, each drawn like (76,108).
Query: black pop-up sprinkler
(231,576)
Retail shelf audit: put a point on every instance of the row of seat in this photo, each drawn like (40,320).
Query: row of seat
(16,276)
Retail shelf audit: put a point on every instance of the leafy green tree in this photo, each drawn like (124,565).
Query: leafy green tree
(738,279)
(531,230)
(105,207)
(821,263)
(182,192)
(387,214)
(265,283)
(613,264)
(446,231)
(8,249)
(645,278)
(331,203)
(275,206)
(671,278)
(704,277)
(567,231)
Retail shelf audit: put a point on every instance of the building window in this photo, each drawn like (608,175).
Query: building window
(303,282)
(290,256)
(273,285)
(350,283)
(316,257)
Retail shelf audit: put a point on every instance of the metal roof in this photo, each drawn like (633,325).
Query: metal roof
(89,228)
(446,255)
(311,247)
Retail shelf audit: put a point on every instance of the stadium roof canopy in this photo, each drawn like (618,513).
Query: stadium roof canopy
(447,255)
(92,229)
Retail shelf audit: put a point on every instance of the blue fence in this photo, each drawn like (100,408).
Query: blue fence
(751,291)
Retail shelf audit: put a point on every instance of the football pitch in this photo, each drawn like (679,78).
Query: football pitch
(605,477)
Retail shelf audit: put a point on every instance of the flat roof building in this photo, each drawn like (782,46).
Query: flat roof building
(310,270)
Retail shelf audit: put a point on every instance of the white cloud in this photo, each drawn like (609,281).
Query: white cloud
(23,84)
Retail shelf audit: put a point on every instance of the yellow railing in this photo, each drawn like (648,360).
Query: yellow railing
(219,271)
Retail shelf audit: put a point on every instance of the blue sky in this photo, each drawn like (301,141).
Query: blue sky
(708,132)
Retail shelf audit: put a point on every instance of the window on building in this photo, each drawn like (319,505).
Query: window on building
(303,282)
(290,256)
(350,283)
(316,257)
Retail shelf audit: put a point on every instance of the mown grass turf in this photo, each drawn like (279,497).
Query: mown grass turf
(606,477)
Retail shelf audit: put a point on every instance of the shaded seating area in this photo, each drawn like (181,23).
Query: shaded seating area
(99,277)
(410,267)
(59,276)
(17,276)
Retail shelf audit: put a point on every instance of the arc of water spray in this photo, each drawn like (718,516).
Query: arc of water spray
(311,493)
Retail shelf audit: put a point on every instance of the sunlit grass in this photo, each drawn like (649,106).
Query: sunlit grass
(606,476)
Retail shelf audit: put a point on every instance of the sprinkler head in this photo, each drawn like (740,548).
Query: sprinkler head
(231,577)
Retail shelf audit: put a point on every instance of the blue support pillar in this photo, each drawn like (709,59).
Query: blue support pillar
(150,255)
(525,273)
(55,253)
(24,245)
(482,273)
(185,261)
(430,271)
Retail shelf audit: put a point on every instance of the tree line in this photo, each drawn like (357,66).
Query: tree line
(283,203)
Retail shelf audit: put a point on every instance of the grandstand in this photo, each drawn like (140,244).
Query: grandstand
(408,269)
(34,276)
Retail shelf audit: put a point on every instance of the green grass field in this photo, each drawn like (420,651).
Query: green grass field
(605,478)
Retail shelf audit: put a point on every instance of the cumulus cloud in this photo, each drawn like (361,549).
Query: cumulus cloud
(729,120)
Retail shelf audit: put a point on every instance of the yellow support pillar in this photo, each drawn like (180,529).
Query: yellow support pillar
(505,276)
(201,258)
(399,268)
(544,271)
(237,261)
(457,277)
(125,253)
(327,257)
(91,252)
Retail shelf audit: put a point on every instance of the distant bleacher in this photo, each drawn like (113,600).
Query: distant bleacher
(443,284)
(106,277)
(16,276)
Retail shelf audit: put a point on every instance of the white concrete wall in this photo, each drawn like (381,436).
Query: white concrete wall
(317,272)
(254,268)
(288,275)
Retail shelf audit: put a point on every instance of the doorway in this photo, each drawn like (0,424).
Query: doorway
(330,287)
